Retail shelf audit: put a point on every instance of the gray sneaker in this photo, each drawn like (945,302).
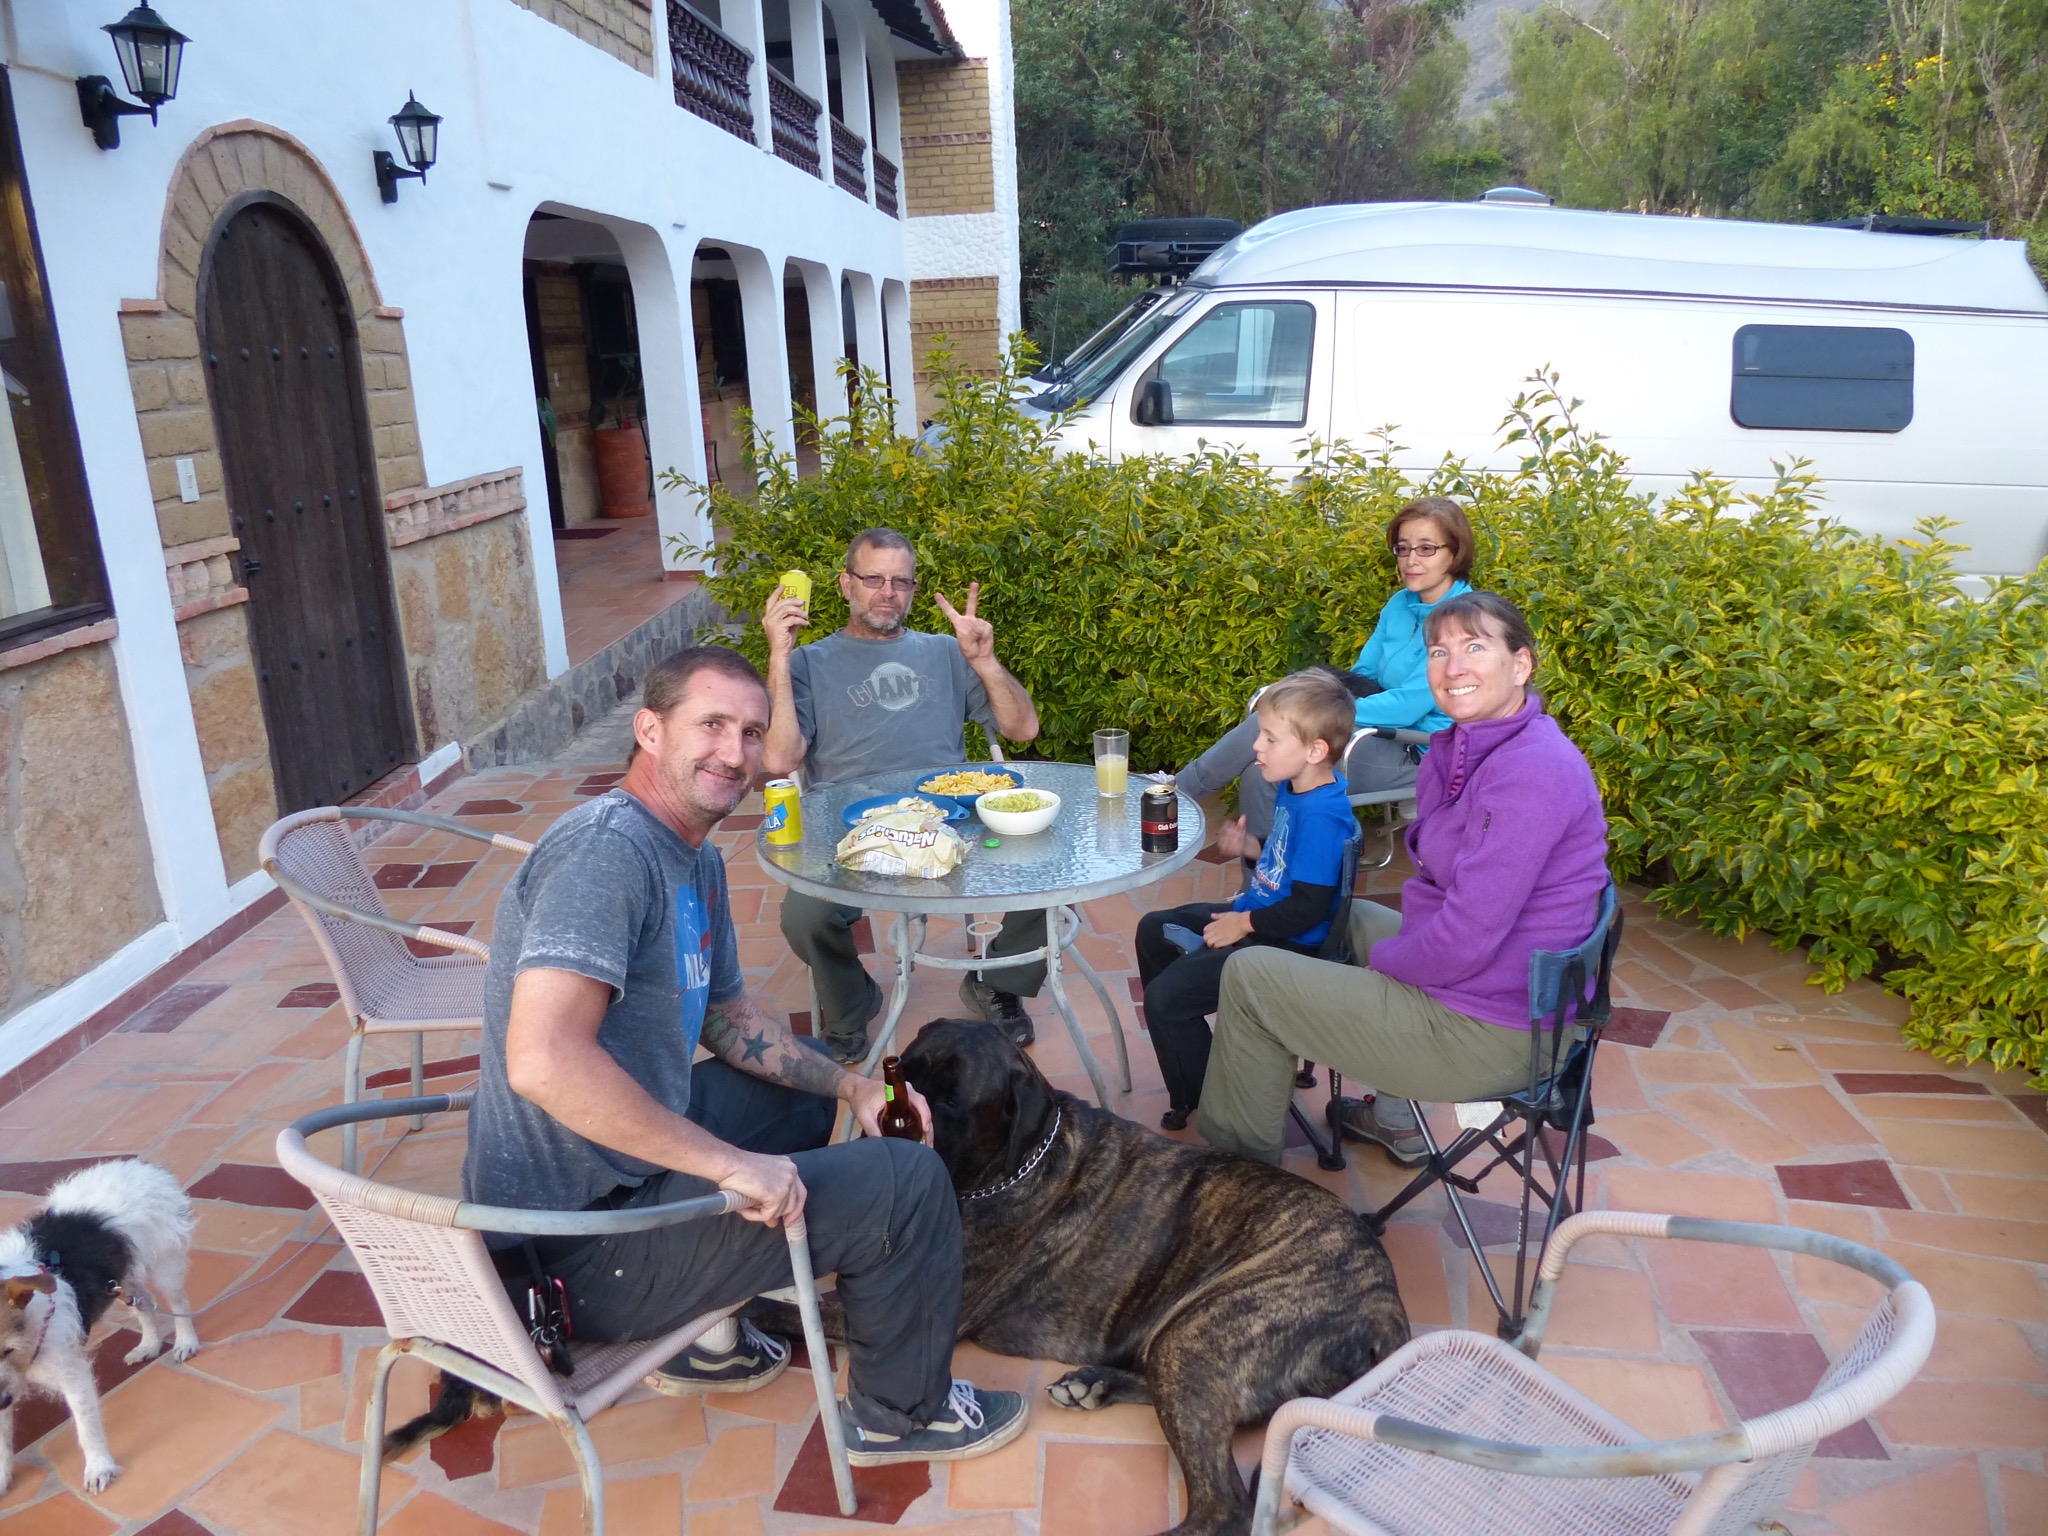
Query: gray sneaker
(757,1359)
(1394,1129)
(1005,1010)
(971,1424)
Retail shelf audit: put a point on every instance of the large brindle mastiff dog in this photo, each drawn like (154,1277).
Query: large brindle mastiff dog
(1210,1286)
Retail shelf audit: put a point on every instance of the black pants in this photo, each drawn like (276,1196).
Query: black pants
(880,1212)
(1180,992)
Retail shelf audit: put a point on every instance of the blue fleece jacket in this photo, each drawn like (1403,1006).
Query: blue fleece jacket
(1398,661)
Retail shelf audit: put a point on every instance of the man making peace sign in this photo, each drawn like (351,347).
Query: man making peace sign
(872,698)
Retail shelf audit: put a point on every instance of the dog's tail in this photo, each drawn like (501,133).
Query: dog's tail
(459,1401)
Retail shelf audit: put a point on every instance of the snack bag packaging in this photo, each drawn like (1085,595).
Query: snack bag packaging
(905,843)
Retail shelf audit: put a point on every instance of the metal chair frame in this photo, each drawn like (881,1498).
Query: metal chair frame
(1559,1096)
(426,1263)
(1439,1434)
(440,975)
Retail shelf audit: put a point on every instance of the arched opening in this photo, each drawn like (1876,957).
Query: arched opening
(803,373)
(583,339)
(719,323)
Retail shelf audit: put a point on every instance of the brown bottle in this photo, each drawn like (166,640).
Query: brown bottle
(899,1116)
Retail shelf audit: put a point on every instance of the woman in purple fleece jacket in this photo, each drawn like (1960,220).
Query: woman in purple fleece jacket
(1510,853)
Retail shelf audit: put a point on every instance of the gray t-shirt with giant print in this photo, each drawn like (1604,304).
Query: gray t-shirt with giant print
(875,706)
(611,893)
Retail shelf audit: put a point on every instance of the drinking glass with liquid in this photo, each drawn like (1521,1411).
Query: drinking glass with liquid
(1112,762)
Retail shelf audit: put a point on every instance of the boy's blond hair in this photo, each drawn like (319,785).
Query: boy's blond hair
(1317,706)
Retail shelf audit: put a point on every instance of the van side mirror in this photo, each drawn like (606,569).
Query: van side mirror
(1154,405)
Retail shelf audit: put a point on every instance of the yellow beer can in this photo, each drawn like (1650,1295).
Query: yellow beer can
(785,823)
(797,584)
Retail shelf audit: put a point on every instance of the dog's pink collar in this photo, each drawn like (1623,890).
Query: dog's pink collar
(43,1332)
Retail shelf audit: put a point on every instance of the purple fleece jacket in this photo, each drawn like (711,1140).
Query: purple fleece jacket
(1510,855)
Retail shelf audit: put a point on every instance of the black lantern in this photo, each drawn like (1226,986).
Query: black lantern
(151,52)
(419,140)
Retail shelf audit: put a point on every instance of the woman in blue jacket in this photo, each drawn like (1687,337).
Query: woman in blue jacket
(1433,545)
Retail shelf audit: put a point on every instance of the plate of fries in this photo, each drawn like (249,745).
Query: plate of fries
(968,783)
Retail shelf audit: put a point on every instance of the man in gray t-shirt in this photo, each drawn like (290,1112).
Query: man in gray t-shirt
(613,960)
(872,698)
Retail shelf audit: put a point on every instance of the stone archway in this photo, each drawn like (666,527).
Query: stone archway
(447,639)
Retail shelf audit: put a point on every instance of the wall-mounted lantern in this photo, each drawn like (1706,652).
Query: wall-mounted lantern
(419,140)
(151,51)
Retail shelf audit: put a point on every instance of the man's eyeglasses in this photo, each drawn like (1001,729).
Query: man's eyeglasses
(1426,550)
(900,585)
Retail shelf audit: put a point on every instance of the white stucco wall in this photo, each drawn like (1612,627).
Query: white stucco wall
(978,244)
(533,116)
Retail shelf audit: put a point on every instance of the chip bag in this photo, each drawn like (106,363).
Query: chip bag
(906,842)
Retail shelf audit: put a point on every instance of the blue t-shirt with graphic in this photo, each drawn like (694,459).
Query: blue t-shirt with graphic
(610,893)
(1306,844)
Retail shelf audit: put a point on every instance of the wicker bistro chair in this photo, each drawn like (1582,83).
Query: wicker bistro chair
(1456,1432)
(442,1301)
(385,987)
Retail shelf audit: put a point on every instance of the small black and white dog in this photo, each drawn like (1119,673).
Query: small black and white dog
(108,1233)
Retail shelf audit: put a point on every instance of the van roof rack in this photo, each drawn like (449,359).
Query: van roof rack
(1910,224)
(1171,248)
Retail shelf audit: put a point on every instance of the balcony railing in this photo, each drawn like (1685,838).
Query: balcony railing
(885,185)
(795,119)
(710,71)
(849,168)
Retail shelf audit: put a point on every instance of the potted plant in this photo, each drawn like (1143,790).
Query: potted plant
(624,479)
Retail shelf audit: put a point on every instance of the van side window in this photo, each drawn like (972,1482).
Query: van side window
(1823,378)
(1243,362)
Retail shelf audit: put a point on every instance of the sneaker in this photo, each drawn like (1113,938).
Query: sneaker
(757,1359)
(971,1424)
(1005,1010)
(1403,1142)
(1175,1120)
(851,1050)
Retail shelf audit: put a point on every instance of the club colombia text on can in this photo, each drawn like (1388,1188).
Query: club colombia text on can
(785,823)
(1159,819)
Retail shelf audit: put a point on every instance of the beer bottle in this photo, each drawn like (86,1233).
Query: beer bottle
(899,1115)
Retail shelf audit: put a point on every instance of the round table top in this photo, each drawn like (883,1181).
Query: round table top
(1091,849)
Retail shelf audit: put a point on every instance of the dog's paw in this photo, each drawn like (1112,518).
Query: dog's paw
(1084,1389)
(185,1349)
(142,1352)
(98,1474)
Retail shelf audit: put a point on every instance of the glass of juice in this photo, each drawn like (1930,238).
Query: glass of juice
(1112,762)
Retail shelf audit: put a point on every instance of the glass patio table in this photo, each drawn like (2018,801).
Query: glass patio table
(1091,850)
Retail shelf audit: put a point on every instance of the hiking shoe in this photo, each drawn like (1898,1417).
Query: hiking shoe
(1175,1120)
(971,1424)
(1403,1142)
(1005,1010)
(757,1359)
(851,1049)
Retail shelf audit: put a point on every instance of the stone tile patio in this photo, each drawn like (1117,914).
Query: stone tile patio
(1730,1088)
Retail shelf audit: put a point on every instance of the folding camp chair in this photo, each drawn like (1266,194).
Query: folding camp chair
(1550,1117)
(442,1301)
(1456,1432)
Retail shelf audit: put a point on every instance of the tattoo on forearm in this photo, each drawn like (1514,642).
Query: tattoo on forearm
(742,1034)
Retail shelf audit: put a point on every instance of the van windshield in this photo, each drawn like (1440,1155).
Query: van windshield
(1094,365)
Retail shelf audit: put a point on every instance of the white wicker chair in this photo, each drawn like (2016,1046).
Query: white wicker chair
(442,1301)
(385,988)
(1458,1433)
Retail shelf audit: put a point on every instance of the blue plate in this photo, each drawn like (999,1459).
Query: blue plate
(967,801)
(955,811)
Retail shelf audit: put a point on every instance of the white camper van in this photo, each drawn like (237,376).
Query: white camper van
(1911,370)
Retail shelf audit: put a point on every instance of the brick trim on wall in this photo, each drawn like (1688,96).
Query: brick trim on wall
(430,510)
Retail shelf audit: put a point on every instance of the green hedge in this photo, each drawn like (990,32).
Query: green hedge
(1797,729)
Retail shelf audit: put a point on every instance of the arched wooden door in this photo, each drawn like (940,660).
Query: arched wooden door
(286,381)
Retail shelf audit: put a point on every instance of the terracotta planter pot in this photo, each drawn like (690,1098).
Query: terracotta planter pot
(622,471)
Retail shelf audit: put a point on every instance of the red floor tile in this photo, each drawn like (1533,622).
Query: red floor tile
(171,1007)
(1867,1182)
(338,1299)
(1906,1082)
(313,994)
(250,1184)
(884,1493)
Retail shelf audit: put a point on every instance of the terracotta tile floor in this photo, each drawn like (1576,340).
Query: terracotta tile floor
(1744,1093)
(611,585)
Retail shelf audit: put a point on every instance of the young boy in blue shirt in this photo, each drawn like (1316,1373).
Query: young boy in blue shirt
(1305,723)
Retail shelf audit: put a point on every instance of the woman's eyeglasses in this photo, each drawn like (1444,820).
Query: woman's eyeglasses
(902,585)
(1425,550)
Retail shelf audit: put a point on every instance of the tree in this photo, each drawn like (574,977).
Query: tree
(1235,108)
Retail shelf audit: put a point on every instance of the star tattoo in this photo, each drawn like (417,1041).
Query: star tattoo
(755,1048)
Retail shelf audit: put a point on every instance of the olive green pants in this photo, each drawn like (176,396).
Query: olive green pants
(1277,1008)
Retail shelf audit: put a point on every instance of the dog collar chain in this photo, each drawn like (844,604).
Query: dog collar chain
(1030,1162)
